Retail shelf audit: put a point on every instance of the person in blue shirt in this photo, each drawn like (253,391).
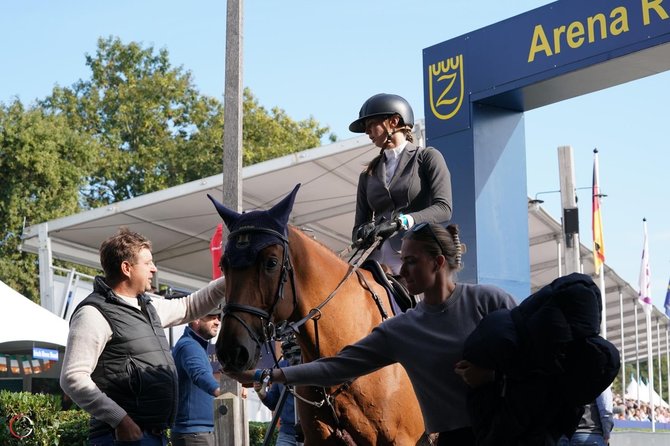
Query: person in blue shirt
(289,429)
(194,424)
(269,396)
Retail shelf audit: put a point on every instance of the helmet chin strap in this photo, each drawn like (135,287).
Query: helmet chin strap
(389,135)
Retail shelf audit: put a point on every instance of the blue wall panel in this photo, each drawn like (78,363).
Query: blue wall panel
(476,87)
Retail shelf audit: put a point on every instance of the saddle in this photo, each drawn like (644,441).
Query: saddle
(399,297)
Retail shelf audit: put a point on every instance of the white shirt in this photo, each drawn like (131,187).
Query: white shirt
(391,158)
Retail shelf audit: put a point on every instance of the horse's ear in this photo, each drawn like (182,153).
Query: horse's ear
(282,210)
(229,216)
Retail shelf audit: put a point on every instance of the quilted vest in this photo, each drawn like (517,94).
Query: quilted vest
(136,368)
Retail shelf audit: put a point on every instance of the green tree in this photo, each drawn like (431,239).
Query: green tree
(137,125)
(273,134)
(43,165)
(154,127)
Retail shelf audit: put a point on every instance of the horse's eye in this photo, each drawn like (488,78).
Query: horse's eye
(271,263)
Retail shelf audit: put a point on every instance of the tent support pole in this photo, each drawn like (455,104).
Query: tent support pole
(46,271)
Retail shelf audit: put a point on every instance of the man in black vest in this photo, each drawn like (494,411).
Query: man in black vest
(118,365)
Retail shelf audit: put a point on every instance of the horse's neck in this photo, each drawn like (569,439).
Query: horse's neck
(316,268)
(348,316)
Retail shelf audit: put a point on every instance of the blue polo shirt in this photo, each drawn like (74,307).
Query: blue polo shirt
(287,415)
(195,412)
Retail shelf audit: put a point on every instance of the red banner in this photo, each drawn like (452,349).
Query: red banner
(215,248)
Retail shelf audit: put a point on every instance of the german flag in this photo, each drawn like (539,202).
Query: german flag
(596,222)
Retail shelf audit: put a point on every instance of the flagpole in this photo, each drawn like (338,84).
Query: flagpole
(650,367)
(598,242)
(667,356)
(603,295)
(660,366)
(645,300)
(637,354)
(623,348)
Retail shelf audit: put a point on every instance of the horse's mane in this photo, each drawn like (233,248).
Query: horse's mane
(315,241)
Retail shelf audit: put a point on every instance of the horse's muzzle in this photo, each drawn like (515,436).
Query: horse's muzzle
(236,358)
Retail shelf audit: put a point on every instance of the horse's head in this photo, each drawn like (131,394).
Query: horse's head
(256,266)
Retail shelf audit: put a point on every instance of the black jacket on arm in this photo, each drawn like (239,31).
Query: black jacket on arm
(549,359)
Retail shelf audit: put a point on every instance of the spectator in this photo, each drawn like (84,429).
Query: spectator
(117,364)
(269,396)
(595,425)
(194,425)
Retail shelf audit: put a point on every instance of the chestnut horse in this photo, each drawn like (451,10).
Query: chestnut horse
(276,273)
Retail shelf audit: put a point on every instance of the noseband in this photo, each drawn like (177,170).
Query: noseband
(265,316)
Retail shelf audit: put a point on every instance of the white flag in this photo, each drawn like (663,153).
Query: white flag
(645,276)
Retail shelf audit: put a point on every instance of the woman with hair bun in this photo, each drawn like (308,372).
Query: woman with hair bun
(426,340)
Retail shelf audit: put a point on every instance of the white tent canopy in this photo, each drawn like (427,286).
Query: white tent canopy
(180,221)
(634,387)
(23,322)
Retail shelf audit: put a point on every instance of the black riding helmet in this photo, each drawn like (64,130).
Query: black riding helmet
(383,104)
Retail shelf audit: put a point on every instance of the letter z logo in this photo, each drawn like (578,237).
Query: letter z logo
(446,87)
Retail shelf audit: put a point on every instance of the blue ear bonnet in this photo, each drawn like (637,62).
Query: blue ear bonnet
(245,242)
(253,231)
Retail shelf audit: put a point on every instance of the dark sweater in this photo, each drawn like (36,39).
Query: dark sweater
(427,341)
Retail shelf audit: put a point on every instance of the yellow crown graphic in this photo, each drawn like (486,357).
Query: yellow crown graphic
(446,87)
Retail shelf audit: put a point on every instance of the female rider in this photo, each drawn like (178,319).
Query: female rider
(404,185)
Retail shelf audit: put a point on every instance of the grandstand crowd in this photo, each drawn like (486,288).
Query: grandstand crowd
(632,410)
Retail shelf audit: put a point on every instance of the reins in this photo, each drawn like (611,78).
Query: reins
(294,326)
(314,315)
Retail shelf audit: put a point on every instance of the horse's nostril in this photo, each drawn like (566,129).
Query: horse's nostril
(235,359)
(241,356)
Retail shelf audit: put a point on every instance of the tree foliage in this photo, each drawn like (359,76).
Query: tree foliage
(273,134)
(43,165)
(137,125)
(156,130)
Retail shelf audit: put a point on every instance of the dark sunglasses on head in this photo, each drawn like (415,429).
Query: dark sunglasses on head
(423,225)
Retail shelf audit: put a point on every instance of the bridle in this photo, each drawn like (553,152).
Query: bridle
(285,274)
(270,331)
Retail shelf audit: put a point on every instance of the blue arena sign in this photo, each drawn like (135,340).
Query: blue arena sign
(529,48)
(477,87)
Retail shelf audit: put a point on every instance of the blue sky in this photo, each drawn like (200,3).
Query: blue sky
(322,59)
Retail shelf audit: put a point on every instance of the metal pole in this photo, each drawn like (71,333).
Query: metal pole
(623,349)
(570,218)
(559,255)
(660,369)
(667,356)
(650,366)
(598,250)
(603,296)
(235,432)
(232,111)
(637,353)
(67,293)
(46,271)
